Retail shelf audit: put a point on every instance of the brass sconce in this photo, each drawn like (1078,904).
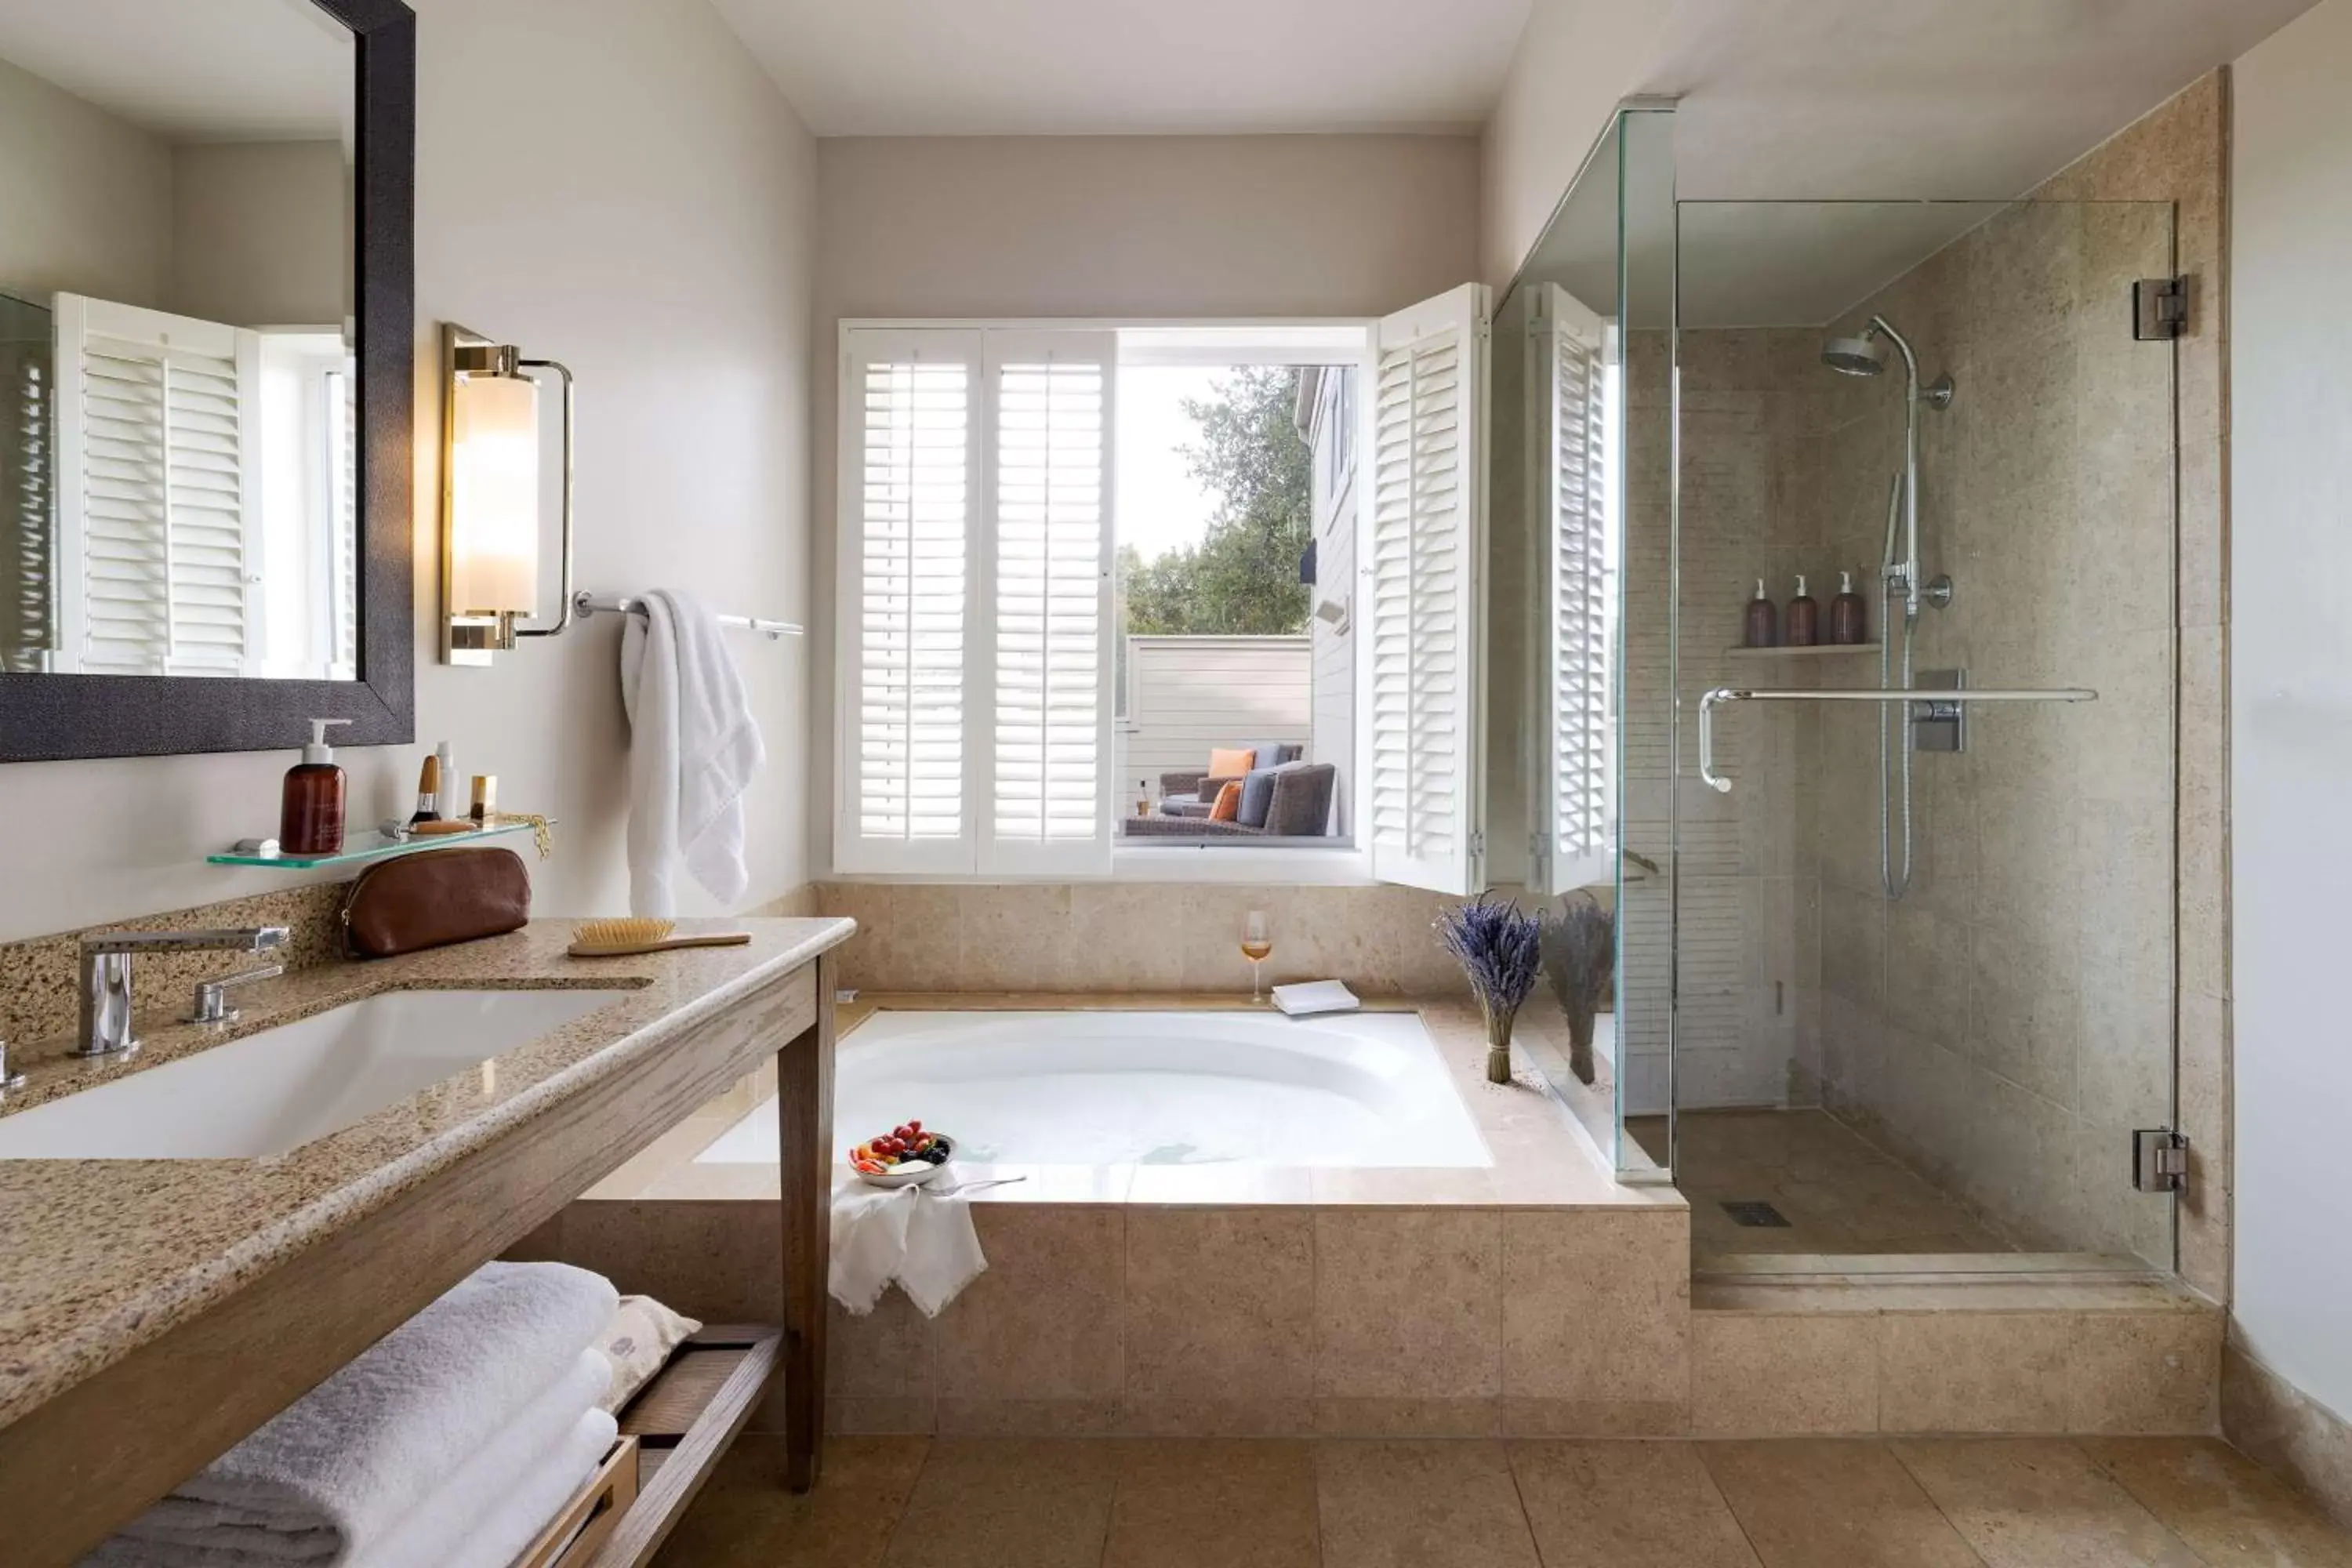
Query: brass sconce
(489,496)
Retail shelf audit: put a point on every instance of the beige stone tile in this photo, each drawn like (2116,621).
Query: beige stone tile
(886,1354)
(1216,1418)
(1759,1375)
(1221,1304)
(1421,1505)
(1973,1371)
(714,1260)
(890,1417)
(2230,1511)
(1408,1303)
(1832,1505)
(1430,1416)
(743,1517)
(1221,1185)
(1625,1505)
(2040,1503)
(2281,1427)
(2145,1372)
(923,951)
(1015,1418)
(1013,936)
(1009,1503)
(1044,1321)
(1596,1311)
(1126,937)
(1403,1186)
(1233,1505)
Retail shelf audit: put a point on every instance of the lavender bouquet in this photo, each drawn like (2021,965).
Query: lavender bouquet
(1580,956)
(1500,951)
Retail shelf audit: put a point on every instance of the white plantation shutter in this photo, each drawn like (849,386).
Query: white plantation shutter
(1047,740)
(1574,448)
(910,444)
(158,493)
(1424,539)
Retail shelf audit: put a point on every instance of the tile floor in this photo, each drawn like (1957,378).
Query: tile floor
(2188,1502)
(1838,1192)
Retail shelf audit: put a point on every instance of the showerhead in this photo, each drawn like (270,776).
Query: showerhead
(1865,355)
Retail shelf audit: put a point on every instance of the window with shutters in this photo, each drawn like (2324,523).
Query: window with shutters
(1576,452)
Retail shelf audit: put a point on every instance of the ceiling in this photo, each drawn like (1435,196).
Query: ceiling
(221,70)
(999,67)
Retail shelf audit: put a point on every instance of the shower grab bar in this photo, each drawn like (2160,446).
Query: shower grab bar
(1925,703)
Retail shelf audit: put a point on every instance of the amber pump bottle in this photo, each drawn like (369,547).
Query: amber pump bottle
(1804,618)
(1849,623)
(311,814)
(1763,625)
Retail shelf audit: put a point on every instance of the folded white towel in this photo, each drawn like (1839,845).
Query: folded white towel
(693,748)
(338,1471)
(880,1234)
(1315,996)
(491,1496)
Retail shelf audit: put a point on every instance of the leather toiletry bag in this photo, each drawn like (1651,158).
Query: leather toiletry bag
(432,899)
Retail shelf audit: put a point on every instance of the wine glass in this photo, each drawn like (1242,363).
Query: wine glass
(1258,941)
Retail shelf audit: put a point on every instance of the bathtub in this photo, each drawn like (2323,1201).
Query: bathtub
(1147,1088)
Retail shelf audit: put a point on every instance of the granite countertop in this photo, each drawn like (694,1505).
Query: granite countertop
(99,1256)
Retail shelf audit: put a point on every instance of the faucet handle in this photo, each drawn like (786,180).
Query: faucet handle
(210,1005)
(8,1079)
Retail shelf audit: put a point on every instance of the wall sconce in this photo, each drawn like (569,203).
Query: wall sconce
(1333,613)
(489,496)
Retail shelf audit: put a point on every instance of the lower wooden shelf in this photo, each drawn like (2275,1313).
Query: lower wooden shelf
(673,1434)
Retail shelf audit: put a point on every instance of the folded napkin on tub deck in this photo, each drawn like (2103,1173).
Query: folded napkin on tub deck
(328,1479)
(880,1234)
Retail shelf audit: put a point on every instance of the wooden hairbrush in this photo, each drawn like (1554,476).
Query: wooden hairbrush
(620,938)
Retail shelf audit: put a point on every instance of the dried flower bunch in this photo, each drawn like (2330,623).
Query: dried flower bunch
(1501,949)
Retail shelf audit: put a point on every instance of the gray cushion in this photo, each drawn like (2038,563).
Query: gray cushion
(1266,753)
(1257,795)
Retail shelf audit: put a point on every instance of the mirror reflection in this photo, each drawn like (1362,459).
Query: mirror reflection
(178,460)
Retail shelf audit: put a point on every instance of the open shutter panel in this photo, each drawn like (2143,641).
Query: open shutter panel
(1425,539)
(158,506)
(910,421)
(1047,802)
(1578,582)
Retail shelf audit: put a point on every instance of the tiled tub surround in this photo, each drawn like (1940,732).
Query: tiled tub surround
(104,1256)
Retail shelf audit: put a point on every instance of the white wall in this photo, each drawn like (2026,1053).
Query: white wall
(1115,225)
(260,233)
(1576,60)
(614,183)
(86,197)
(2291,695)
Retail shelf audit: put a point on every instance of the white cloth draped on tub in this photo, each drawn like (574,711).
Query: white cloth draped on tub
(928,1245)
(693,748)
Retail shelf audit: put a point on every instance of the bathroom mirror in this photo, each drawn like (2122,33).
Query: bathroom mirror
(205,373)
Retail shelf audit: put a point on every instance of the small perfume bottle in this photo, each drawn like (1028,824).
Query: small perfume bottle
(1804,618)
(1849,620)
(1763,625)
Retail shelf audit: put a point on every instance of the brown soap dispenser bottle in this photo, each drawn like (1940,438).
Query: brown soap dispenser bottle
(310,815)
(1763,625)
(1848,620)
(1804,618)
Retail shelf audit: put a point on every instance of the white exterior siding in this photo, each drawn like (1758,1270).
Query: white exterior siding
(1188,694)
(1335,581)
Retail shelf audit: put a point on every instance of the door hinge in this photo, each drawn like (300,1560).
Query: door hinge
(1477,845)
(2160,1160)
(2159,308)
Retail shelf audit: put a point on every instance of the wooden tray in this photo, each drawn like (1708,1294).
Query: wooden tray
(588,1518)
(681,1423)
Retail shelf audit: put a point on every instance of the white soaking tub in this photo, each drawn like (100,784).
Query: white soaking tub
(1151,1088)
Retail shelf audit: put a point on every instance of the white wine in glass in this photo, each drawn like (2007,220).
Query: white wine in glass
(1258,942)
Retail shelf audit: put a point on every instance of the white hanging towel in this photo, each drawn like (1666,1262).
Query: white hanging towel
(693,747)
(881,1234)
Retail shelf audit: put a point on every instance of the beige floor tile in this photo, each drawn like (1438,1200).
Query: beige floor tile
(1221,1304)
(1755,1374)
(1214,1505)
(1421,1505)
(1008,1502)
(2231,1512)
(2040,1503)
(1832,1505)
(745,1518)
(1408,1303)
(1626,1505)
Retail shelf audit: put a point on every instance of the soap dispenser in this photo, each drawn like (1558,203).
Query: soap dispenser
(1763,626)
(310,818)
(1848,618)
(1804,618)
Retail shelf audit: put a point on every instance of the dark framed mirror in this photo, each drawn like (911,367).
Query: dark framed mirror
(206,375)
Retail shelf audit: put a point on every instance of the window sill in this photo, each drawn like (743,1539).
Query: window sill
(1294,862)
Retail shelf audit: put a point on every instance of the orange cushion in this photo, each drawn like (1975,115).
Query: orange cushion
(1229,764)
(1229,802)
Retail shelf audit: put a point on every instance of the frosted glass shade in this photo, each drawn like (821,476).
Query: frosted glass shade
(494,496)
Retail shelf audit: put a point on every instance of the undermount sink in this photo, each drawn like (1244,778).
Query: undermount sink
(279,1090)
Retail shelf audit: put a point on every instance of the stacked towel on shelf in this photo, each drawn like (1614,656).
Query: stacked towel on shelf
(434,1446)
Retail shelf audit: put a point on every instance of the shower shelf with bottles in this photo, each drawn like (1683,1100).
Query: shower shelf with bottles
(1815,651)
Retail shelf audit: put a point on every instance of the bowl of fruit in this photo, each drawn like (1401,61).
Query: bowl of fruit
(906,1156)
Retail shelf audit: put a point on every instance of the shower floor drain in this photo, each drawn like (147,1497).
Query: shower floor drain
(1757,1214)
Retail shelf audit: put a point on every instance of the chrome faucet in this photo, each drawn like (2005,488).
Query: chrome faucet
(105,976)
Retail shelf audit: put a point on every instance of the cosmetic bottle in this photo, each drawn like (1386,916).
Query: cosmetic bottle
(1763,627)
(311,813)
(447,794)
(1804,618)
(1849,623)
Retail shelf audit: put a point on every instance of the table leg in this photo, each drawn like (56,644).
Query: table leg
(804,1103)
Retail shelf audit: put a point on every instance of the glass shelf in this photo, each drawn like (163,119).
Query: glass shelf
(375,847)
